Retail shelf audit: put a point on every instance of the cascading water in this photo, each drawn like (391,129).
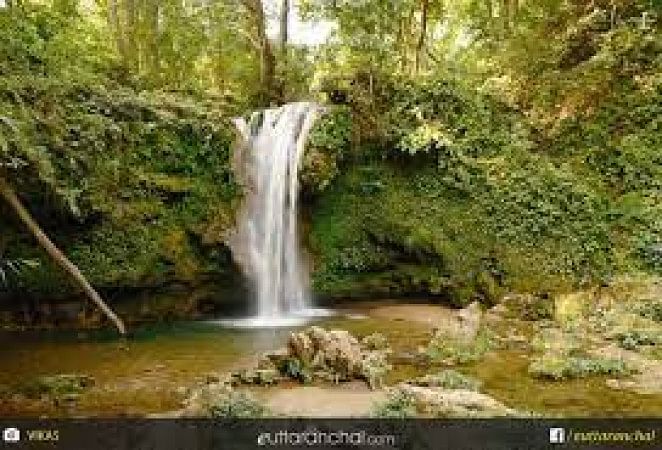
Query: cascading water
(266,244)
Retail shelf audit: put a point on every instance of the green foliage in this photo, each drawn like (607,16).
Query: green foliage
(332,132)
(557,367)
(528,226)
(543,125)
(441,113)
(328,143)
(13,269)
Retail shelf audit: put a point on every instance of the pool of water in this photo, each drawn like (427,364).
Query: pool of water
(150,372)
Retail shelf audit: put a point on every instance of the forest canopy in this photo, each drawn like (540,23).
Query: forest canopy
(515,143)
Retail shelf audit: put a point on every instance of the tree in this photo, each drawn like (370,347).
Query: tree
(284,23)
(422,33)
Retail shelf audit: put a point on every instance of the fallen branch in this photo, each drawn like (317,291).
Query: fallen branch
(12,199)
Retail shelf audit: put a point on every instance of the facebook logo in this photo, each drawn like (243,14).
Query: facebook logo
(11,435)
(557,435)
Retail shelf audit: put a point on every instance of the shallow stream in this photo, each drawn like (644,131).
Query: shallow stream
(150,372)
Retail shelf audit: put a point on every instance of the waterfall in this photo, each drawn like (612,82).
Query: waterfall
(266,244)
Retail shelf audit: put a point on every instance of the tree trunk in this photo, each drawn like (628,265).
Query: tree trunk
(267,59)
(131,43)
(15,203)
(115,25)
(284,22)
(154,34)
(421,37)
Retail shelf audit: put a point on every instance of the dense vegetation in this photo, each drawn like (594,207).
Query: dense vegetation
(473,148)
(528,161)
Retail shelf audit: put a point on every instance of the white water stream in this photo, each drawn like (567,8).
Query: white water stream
(267,244)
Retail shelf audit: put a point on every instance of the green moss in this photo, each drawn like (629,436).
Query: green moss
(328,143)
(555,366)
(56,386)
(545,234)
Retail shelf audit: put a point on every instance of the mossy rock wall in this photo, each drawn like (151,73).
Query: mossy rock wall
(144,197)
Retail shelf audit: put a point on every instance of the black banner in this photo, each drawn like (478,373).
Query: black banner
(193,434)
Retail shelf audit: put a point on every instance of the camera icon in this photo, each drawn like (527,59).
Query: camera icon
(557,435)
(11,434)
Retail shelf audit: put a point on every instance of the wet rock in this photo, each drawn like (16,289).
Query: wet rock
(336,350)
(499,309)
(316,353)
(274,359)
(440,402)
(647,376)
(463,325)
(417,359)
(262,377)
(447,379)
(470,317)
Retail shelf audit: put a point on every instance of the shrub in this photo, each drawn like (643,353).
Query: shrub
(652,310)
(632,339)
(374,368)
(13,268)
(375,341)
(449,350)
(398,405)
(237,405)
(219,400)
